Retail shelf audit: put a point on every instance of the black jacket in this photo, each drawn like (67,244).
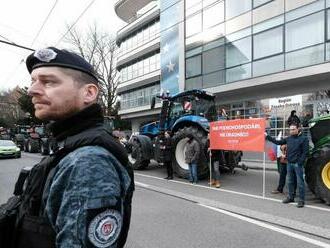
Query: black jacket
(297,147)
(167,149)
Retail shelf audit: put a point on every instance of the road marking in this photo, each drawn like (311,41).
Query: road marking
(229,191)
(273,228)
(142,184)
(254,221)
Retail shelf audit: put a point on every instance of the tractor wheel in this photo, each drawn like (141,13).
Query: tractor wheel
(33,145)
(310,172)
(322,167)
(135,157)
(179,146)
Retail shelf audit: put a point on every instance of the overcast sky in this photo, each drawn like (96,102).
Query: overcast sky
(20,22)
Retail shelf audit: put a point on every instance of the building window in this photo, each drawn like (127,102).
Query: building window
(194,83)
(238,52)
(328,24)
(153,63)
(208,2)
(273,22)
(305,32)
(193,6)
(328,51)
(213,59)
(268,66)
(214,79)
(268,43)
(238,73)
(140,68)
(305,57)
(194,25)
(257,3)
(193,66)
(213,15)
(138,98)
(304,10)
(237,7)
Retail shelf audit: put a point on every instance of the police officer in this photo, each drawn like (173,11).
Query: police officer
(86,188)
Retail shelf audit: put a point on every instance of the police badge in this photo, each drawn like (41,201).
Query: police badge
(105,228)
(45,54)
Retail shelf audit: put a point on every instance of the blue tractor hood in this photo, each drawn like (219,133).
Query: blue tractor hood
(198,120)
(150,129)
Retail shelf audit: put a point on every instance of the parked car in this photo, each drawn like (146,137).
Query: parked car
(9,149)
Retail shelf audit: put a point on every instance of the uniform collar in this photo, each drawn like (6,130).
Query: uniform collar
(86,118)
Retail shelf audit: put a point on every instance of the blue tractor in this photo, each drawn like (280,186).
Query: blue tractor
(185,113)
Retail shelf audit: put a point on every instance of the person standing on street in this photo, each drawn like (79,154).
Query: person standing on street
(297,149)
(293,118)
(282,163)
(191,158)
(167,154)
(85,188)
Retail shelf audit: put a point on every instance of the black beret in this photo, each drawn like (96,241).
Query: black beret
(52,56)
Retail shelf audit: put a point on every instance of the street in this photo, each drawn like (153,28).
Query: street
(178,214)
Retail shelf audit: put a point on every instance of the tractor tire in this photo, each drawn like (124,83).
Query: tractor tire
(310,172)
(33,145)
(322,168)
(180,140)
(135,158)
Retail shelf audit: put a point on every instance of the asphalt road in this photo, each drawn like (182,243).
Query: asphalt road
(178,214)
(164,221)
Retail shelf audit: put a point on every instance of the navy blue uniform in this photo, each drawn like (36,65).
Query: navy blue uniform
(86,216)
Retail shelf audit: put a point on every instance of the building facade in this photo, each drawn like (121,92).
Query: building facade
(261,58)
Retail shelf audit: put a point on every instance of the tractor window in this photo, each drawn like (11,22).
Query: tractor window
(193,105)
(176,110)
(206,108)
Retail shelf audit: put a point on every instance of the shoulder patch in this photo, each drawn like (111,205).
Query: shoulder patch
(104,229)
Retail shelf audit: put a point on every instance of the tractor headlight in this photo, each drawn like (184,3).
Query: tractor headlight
(312,124)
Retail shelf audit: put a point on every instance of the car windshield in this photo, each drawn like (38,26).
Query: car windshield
(6,143)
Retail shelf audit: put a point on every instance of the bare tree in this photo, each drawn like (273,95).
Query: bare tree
(99,49)
(10,111)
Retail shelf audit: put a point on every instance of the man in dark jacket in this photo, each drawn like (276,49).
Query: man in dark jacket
(297,149)
(191,158)
(84,197)
(167,154)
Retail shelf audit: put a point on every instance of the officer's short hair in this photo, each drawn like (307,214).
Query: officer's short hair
(79,77)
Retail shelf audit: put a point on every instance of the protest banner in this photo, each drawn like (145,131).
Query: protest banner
(240,135)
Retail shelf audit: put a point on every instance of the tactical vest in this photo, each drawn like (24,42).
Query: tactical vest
(33,229)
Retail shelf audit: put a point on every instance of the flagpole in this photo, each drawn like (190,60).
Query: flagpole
(264,176)
(210,168)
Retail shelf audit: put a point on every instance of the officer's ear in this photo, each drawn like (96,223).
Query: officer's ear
(90,92)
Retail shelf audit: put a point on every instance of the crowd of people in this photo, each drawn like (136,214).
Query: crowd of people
(291,155)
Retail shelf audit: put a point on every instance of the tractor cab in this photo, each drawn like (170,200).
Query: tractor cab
(193,103)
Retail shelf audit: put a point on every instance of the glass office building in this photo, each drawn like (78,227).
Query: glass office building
(249,53)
